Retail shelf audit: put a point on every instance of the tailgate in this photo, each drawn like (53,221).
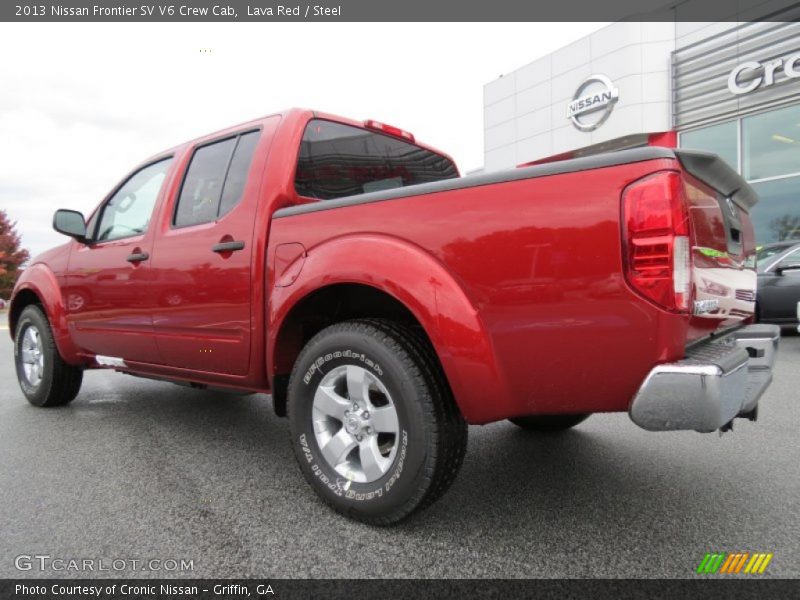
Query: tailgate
(723,244)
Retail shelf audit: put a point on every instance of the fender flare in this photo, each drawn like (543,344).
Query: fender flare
(423,285)
(41,281)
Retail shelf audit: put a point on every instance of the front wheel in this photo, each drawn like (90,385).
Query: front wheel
(548,423)
(45,379)
(374,426)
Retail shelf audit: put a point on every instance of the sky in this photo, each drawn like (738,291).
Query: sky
(82,104)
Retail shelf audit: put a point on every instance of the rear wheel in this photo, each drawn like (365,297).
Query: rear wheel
(548,423)
(45,379)
(374,426)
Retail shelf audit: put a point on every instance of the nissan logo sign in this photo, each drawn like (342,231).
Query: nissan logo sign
(592,103)
(751,75)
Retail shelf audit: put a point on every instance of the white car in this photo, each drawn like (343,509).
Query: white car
(733,292)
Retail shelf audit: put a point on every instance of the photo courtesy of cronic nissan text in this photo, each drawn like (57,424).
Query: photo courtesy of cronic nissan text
(381,299)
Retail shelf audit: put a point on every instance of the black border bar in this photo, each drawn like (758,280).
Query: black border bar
(392,10)
(707,587)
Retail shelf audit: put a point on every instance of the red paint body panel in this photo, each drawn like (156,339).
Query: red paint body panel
(45,279)
(545,315)
(519,285)
(668,139)
(108,299)
(404,271)
(201,305)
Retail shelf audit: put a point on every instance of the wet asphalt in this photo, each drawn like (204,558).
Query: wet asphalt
(141,470)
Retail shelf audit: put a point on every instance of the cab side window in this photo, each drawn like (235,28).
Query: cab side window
(215,180)
(127,213)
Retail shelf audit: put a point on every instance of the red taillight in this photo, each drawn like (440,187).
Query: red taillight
(389,129)
(656,240)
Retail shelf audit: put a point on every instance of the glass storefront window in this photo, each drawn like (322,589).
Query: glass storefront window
(720,139)
(771,144)
(770,160)
(776,217)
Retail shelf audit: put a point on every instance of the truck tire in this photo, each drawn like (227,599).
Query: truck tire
(548,423)
(373,423)
(45,379)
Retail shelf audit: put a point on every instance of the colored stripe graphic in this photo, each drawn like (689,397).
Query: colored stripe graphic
(764,564)
(711,562)
(758,563)
(741,562)
(702,567)
(733,562)
(729,562)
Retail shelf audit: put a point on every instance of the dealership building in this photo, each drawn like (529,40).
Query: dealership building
(729,88)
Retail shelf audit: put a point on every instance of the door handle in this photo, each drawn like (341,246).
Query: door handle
(137,257)
(228,246)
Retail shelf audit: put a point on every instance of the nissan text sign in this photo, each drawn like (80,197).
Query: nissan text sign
(592,103)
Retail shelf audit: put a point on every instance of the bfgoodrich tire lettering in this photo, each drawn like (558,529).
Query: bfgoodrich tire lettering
(423,456)
(44,377)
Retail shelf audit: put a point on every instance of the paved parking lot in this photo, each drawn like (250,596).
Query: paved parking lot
(135,469)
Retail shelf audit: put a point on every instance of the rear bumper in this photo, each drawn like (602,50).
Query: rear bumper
(715,383)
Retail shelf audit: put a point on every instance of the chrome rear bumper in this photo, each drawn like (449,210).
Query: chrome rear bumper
(715,383)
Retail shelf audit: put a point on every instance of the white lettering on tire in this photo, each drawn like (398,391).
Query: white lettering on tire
(344,490)
(317,363)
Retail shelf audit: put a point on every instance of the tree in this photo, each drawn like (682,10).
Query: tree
(786,227)
(12,255)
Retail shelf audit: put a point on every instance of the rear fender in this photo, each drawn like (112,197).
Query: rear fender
(424,286)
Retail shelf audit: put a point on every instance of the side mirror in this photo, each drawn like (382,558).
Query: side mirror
(781,270)
(71,223)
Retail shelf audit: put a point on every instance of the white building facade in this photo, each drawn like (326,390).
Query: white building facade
(730,88)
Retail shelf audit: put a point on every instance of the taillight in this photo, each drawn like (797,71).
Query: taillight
(655,225)
(389,129)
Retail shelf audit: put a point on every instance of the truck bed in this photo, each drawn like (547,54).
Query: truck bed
(540,269)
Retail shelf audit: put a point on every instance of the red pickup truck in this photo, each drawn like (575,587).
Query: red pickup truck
(385,302)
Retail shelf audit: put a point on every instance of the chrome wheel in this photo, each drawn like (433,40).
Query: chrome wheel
(355,423)
(32,356)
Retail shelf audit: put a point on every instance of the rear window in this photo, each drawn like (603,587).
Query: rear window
(339,160)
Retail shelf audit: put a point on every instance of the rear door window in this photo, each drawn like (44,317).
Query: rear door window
(237,172)
(338,160)
(215,180)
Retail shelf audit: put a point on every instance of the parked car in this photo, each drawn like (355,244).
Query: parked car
(731,291)
(778,282)
(385,303)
